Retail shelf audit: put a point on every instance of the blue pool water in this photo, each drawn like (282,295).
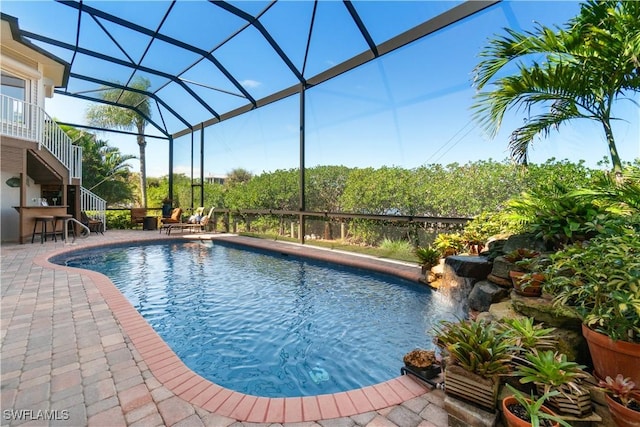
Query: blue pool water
(267,324)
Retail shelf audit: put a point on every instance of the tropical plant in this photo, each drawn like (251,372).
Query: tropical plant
(621,197)
(449,243)
(105,170)
(427,255)
(486,225)
(551,370)
(527,335)
(620,388)
(600,279)
(134,116)
(555,215)
(532,408)
(584,68)
(480,347)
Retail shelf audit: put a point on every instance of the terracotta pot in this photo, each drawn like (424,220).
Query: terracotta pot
(623,416)
(532,289)
(610,357)
(513,420)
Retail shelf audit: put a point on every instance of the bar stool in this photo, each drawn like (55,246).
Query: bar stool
(43,220)
(65,225)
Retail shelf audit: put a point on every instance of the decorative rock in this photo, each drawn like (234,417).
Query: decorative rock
(572,344)
(543,310)
(485,293)
(501,268)
(523,241)
(497,242)
(505,283)
(477,267)
(437,269)
(503,310)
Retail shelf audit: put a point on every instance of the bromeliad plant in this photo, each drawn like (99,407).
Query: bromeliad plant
(480,347)
(527,335)
(622,389)
(551,371)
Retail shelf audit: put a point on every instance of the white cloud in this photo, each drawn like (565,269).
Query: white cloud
(250,83)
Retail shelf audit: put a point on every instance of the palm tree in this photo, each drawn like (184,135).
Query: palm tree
(111,116)
(571,73)
(105,170)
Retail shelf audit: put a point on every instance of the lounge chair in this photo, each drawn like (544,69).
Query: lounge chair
(192,226)
(94,225)
(175,218)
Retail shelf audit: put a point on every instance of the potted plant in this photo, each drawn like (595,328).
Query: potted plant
(551,371)
(527,335)
(522,411)
(473,240)
(525,275)
(428,256)
(478,353)
(623,400)
(422,362)
(600,280)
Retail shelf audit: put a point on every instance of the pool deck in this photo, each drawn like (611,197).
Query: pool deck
(75,352)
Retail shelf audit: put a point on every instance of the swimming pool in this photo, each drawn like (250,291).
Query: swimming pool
(268,324)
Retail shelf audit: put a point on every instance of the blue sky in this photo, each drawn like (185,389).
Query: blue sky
(408,108)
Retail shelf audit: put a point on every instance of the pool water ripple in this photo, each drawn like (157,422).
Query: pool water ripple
(271,325)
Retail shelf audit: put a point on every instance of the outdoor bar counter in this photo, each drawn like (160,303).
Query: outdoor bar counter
(27,215)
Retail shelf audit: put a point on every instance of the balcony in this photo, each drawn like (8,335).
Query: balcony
(23,120)
(29,122)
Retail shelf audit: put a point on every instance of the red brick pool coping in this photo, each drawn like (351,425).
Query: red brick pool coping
(182,381)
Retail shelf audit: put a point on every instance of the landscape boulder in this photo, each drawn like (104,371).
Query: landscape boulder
(485,293)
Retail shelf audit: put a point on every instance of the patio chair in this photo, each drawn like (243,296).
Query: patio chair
(197,215)
(175,218)
(94,225)
(193,226)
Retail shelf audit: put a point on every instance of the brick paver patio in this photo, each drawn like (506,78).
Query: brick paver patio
(75,352)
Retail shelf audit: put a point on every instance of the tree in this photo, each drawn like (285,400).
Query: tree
(105,170)
(572,73)
(111,116)
(238,176)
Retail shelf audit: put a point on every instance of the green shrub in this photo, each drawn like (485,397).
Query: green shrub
(600,279)
(555,215)
(119,220)
(397,248)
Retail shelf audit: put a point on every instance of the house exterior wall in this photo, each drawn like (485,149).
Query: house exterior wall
(40,72)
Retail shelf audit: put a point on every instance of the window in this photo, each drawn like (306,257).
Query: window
(14,91)
(12,86)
